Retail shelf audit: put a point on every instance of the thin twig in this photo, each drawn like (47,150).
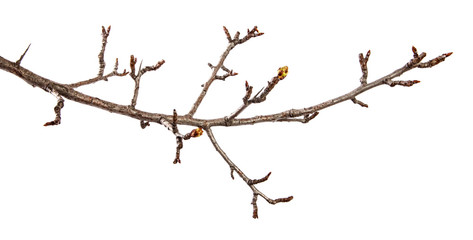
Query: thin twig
(137,77)
(251,183)
(18,62)
(232,43)
(105,34)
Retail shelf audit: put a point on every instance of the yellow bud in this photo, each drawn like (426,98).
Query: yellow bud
(282,72)
(197,132)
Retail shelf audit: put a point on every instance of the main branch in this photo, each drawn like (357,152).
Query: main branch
(172,121)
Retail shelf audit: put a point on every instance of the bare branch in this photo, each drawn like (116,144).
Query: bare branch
(102,64)
(251,183)
(137,77)
(435,61)
(105,34)
(171,122)
(232,43)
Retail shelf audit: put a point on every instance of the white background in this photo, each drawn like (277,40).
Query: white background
(401,169)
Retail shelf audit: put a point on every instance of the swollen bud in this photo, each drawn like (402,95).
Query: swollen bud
(282,72)
(196,132)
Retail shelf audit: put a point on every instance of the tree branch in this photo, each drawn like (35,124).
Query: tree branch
(231,44)
(250,182)
(171,121)
(100,76)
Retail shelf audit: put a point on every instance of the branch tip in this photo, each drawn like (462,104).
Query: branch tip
(18,62)
(282,72)
(414,50)
(229,38)
(435,61)
(256,181)
(287,199)
(408,83)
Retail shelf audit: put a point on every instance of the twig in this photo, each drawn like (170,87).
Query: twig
(232,43)
(137,77)
(282,73)
(105,34)
(18,62)
(251,183)
(57,109)
(364,66)
(356,101)
(102,64)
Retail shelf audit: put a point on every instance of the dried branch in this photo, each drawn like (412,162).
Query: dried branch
(251,183)
(137,77)
(102,64)
(232,43)
(171,121)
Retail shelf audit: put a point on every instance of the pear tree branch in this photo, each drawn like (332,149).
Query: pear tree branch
(63,91)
